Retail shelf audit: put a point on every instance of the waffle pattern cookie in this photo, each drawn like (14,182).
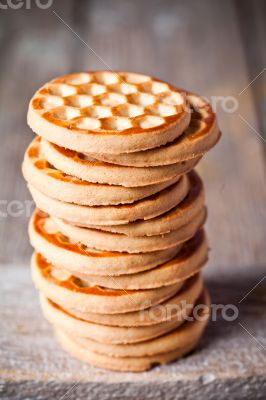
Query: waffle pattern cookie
(110,112)
(118,230)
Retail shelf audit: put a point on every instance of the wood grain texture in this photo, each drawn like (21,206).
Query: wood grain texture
(227,364)
(251,19)
(199,45)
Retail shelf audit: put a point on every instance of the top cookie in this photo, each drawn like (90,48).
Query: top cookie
(108,112)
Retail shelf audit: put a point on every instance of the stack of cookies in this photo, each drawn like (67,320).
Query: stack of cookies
(118,232)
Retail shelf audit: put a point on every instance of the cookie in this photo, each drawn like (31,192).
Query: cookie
(199,137)
(189,260)
(105,333)
(66,289)
(138,357)
(146,208)
(56,184)
(88,169)
(110,112)
(109,241)
(171,308)
(178,216)
(61,319)
(77,258)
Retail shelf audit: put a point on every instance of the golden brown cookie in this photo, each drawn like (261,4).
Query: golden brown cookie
(88,169)
(109,241)
(54,183)
(63,288)
(146,208)
(141,356)
(199,137)
(110,112)
(78,258)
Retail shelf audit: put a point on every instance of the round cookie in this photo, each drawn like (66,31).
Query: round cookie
(110,112)
(107,241)
(172,308)
(178,216)
(138,357)
(56,184)
(188,261)
(129,364)
(146,208)
(105,333)
(199,137)
(77,258)
(66,289)
(88,169)
(62,319)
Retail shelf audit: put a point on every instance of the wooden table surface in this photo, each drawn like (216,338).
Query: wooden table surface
(209,46)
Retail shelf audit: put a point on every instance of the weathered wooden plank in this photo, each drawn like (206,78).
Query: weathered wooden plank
(36,49)
(228,363)
(251,18)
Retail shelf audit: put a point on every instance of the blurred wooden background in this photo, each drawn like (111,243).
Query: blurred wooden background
(212,47)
